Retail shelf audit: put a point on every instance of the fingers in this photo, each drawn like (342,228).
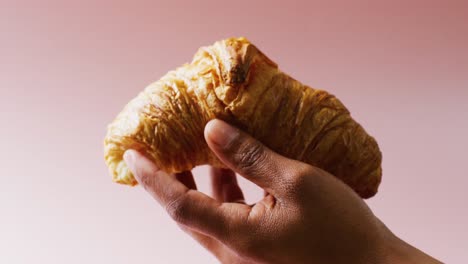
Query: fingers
(249,157)
(187,207)
(225,187)
(207,242)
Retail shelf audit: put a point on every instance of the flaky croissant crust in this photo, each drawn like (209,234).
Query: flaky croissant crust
(234,81)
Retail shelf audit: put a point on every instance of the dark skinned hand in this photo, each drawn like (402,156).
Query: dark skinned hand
(306,215)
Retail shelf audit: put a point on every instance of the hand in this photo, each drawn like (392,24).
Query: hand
(306,216)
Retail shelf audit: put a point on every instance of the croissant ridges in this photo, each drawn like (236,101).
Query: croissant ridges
(232,80)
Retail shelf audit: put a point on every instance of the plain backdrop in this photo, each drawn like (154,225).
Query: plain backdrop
(68,67)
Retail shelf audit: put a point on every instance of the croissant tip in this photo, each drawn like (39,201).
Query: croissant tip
(126,179)
(130,183)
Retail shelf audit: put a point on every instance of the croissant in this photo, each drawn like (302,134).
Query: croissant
(234,81)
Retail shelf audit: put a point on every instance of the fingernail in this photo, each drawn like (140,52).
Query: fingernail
(221,133)
(129,158)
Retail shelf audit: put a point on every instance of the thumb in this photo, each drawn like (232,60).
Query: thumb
(250,158)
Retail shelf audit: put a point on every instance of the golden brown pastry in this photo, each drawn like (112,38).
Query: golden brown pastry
(234,81)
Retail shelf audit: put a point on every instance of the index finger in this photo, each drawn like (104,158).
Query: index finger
(186,206)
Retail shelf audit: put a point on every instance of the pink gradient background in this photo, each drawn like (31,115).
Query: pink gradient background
(66,70)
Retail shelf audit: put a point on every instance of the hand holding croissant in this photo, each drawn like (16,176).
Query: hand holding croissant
(306,215)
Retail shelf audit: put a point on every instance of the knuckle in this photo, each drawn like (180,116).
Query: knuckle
(147,181)
(251,155)
(299,178)
(147,178)
(301,172)
(178,209)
